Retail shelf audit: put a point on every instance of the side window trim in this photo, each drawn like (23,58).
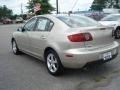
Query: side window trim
(50,21)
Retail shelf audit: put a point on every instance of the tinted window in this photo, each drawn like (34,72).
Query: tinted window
(111,18)
(44,24)
(78,21)
(30,25)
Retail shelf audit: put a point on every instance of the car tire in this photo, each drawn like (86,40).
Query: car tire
(53,63)
(15,48)
(117,33)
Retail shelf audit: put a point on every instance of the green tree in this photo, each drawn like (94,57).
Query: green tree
(98,5)
(114,4)
(45,6)
(13,17)
(5,12)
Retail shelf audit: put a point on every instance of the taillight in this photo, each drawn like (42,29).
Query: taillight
(81,37)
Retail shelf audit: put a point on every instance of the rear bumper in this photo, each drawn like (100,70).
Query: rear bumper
(82,56)
(101,61)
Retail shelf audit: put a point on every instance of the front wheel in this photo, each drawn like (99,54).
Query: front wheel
(117,33)
(53,63)
(15,48)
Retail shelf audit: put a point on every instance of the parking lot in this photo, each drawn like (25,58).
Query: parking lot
(23,72)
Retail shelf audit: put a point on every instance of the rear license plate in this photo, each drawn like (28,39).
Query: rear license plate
(107,56)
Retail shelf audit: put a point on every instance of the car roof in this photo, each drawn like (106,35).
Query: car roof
(57,15)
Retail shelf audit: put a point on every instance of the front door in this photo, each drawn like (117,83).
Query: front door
(38,39)
(23,37)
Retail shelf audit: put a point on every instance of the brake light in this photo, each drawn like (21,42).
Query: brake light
(81,37)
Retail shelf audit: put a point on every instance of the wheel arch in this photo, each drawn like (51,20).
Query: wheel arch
(117,27)
(53,49)
(115,32)
(47,49)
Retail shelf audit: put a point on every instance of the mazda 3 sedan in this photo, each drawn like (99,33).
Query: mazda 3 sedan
(65,41)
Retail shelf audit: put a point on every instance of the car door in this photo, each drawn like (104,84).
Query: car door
(38,39)
(23,38)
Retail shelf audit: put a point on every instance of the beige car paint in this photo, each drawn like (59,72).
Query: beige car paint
(35,43)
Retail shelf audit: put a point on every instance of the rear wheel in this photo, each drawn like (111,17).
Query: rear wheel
(117,33)
(53,63)
(15,48)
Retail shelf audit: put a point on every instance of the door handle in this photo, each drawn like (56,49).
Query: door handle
(43,37)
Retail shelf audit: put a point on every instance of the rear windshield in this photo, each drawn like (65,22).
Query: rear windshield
(78,21)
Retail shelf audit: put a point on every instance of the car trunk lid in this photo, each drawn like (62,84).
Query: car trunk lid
(101,36)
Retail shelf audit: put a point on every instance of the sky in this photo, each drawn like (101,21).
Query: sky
(64,5)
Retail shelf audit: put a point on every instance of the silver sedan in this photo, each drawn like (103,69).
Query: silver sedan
(112,20)
(65,41)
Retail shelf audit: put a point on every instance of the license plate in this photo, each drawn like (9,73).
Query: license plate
(107,56)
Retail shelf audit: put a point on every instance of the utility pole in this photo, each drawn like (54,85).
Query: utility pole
(57,7)
(22,10)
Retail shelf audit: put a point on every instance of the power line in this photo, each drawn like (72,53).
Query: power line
(21,9)
(74,5)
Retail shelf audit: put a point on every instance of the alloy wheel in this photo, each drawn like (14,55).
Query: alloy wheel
(14,47)
(52,63)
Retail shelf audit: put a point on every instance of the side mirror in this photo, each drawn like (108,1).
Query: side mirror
(21,29)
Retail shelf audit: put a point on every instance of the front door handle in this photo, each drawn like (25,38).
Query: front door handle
(43,37)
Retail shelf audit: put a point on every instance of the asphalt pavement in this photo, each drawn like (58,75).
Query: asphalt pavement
(23,72)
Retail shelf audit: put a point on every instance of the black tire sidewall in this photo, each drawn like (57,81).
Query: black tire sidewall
(60,67)
(17,51)
(116,37)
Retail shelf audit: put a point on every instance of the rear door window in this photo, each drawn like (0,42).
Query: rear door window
(44,24)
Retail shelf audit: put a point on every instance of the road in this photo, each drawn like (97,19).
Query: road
(23,72)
